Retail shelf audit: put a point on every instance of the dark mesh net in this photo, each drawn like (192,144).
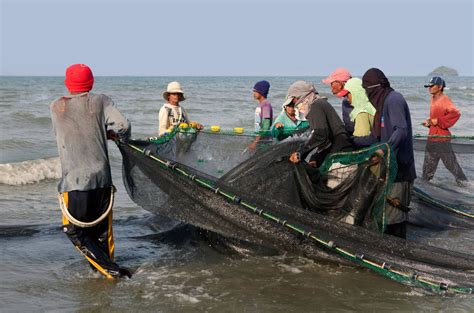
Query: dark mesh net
(211,181)
(444,188)
(346,187)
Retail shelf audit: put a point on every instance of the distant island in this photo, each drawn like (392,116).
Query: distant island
(443,71)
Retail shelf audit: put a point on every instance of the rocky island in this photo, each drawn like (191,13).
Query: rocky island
(443,71)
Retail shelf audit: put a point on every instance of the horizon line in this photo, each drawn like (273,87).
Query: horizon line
(304,75)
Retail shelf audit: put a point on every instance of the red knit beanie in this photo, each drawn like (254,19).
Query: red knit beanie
(79,78)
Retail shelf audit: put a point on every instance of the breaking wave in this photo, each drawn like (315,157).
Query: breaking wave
(29,172)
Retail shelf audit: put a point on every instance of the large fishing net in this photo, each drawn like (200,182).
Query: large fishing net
(333,212)
(346,187)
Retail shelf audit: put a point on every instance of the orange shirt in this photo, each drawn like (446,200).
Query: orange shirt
(445,111)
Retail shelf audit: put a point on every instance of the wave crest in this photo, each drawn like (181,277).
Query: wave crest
(30,172)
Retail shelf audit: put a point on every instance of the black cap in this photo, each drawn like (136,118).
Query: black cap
(436,80)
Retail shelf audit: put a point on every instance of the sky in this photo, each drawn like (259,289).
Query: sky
(236,38)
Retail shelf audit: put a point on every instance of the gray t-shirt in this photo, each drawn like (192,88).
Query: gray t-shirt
(80,123)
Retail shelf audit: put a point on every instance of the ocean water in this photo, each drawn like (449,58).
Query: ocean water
(41,271)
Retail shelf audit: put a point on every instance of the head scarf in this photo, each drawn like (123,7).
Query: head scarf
(377,87)
(306,94)
(298,115)
(360,102)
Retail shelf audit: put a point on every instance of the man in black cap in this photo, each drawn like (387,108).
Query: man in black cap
(443,114)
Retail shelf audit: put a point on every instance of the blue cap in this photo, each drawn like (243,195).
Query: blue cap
(262,87)
(436,80)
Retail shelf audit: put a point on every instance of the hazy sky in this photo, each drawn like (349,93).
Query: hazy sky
(258,37)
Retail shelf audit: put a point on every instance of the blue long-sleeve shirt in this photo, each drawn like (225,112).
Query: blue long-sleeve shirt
(346,111)
(396,130)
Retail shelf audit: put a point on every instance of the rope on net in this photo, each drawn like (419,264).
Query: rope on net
(382,268)
(441,136)
(241,132)
(441,204)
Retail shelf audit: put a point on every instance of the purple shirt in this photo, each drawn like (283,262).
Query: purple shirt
(263,111)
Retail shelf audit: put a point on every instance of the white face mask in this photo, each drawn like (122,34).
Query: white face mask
(303,108)
(300,116)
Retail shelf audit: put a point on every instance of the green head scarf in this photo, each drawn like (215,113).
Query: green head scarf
(360,102)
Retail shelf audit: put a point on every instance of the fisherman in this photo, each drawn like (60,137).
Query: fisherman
(337,80)
(171,113)
(363,112)
(263,115)
(327,130)
(83,122)
(287,122)
(443,114)
(392,124)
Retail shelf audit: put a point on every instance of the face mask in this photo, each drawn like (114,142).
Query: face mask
(302,108)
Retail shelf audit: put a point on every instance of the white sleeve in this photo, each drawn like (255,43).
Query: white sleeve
(162,121)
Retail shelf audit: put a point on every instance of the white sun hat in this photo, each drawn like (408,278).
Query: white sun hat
(174,87)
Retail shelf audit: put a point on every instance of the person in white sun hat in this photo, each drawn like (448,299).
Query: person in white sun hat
(171,113)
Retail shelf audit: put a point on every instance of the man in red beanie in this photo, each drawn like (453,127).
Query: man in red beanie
(79,78)
(83,122)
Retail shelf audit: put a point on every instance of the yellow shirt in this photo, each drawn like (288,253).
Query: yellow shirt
(363,124)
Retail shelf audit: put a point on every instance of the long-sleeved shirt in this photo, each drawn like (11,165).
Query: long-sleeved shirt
(346,112)
(326,126)
(397,132)
(363,124)
(288,126)
(171,115)
(263,118)
(443,109)
(80,123)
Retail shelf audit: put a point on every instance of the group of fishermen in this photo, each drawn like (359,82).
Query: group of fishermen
(387,120)
(372,112)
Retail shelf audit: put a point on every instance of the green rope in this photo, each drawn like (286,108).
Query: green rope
(383,269)
(264,133)
(441,136)
(440,204)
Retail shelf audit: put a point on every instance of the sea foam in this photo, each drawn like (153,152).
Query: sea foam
(29,172)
